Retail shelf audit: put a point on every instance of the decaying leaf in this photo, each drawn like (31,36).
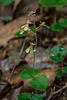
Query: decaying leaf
(50,74)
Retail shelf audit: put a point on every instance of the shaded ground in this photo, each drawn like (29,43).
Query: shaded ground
(10,46)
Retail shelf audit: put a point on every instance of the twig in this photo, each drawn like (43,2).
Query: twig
(53,93)
(55,16)
(21,51)
(41,10)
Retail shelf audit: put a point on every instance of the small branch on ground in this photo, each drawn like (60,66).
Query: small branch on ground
(53,93)
(21,51)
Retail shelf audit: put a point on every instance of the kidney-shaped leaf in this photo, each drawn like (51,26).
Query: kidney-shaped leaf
(21,33)
(53,3)
(59,49)
(33,28)
(24,96)
(63,22)
(39,83)
(64,70)
(36,97)
(59,74)
(5,2)
(56,58)
(28,73)
(56,27)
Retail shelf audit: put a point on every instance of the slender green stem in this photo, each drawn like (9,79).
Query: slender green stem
(33,62)
(34,47)
(35,36)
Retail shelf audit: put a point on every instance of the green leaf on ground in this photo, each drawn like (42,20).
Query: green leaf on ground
(21,33)
(56,58)
(39,83)
(56,27)
(33,28)
(59,74)
(59,49)
(24,96)
(53,3)
(63,22)
(64,70)
(28,73)
(5,2)
(36,97)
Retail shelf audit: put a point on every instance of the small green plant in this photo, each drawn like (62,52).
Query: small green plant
(55,3)
(58,52)
(27,96)
(56,27)
(59,26)
(5,2)
(37,82)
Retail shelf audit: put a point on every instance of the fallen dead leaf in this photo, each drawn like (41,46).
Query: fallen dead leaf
(50,74)
(7,32)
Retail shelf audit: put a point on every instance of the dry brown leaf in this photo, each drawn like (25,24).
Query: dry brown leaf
(50,74)
(7,32)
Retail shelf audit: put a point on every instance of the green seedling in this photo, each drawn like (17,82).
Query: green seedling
(56,27)
(63,22)
(36,82)
(55,3)
(27,96)
(62,72)
(58,52)
(59,26)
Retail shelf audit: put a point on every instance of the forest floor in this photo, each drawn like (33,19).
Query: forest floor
(12,17)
